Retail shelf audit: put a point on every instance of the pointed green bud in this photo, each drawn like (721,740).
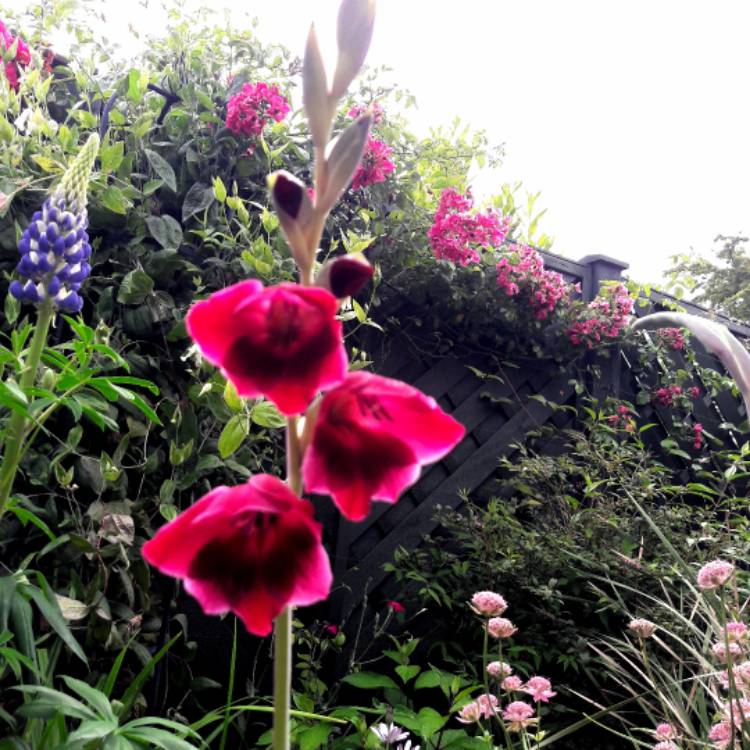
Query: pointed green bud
(318,104)
(75,181)
(342,157)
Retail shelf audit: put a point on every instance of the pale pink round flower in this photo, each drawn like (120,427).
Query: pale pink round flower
(721,735)
(512,684)
(736,631)
(720,650)
(518,715)
(665,746)
(665,732)
(715,574)
(487,704)
(642,628)
(500,627)
(498,669)
(488,604)
(470,713)
(539,688)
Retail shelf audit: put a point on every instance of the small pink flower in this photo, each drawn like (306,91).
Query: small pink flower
(488,604)
(642,628)
(715,574)
(665,732)
(518,715)
(332,629)
(674,338)
(736,631)
(470,713)
(512,683)
(720,650)
(488,705)
(539,688)
(500,627)
(665,746)
(694,391)
(721,735)
(498,669)
(360,109)
(396,607)
(697,436)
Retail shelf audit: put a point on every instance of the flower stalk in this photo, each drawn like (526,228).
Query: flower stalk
(19,423)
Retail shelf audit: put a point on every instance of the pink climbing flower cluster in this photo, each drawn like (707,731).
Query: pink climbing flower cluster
(674,338)
(459,232)
(254,106)
(375,165)
(622,419)
(522,272)
(604,317)
(374,109)
(21,59)
(698,436)
(516,715)
(667,395)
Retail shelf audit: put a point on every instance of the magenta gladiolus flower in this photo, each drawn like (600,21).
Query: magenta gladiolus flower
(371,438)
(282,342)
(251,549)
(715,574)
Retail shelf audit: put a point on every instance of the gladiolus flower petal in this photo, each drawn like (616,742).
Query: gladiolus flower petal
(282,342)
(371,438)
(252,549)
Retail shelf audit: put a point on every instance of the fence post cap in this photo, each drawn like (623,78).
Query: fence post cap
(599,258)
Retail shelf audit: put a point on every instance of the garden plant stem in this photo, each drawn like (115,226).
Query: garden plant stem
(282,654)
(18,423)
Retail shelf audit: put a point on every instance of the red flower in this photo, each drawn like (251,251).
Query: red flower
(371,438)
(282,342)
(252,549)
(397,607)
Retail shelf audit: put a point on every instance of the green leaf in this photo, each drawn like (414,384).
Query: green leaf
(315,737)
(369,681)
(115,201)
(429,679)
(93,697)
(111,156)
(234,432)
(407,672)
(51,612)
(135,287)
(265,414)
(162,167)
(198,198)
(166,230)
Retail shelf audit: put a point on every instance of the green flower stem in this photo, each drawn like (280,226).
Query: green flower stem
(282,679)
(282,654)
(19,423)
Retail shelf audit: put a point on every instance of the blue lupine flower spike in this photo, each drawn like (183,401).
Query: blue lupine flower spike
(55,247)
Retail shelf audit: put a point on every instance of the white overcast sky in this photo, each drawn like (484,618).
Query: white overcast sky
(630,117)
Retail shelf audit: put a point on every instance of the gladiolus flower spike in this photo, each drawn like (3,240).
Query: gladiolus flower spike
(252,549)
(55,247)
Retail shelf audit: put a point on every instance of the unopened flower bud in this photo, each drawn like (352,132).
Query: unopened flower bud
(355,24)
(294,209)
(345,276)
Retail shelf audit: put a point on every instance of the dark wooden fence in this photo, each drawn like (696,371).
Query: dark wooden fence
(496,414)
